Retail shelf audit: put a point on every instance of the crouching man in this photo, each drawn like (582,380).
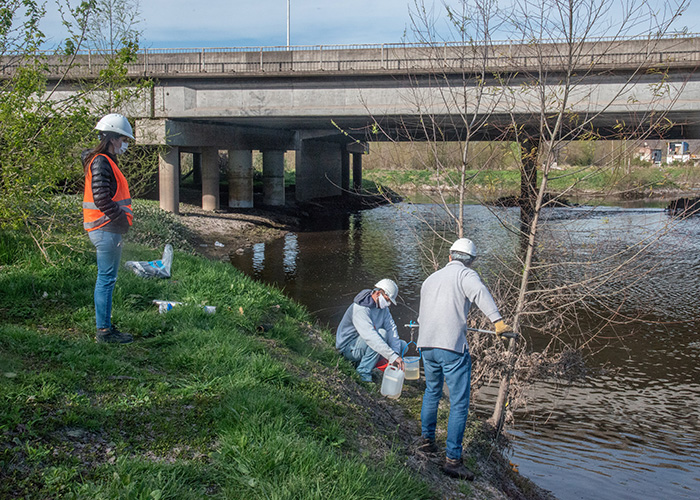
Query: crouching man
(368,331)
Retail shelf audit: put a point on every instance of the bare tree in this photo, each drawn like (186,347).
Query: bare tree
(566,71)
(564,90)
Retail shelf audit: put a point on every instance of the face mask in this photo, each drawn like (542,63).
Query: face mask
(122,149)
(383,303)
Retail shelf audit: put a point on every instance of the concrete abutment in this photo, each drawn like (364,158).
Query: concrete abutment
(240,178)
(169,179)
(273,178)
(210,178)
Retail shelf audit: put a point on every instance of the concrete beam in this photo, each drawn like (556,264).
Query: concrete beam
(188,134)
(357,147)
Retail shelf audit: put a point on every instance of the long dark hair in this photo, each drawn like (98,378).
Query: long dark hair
(101,148)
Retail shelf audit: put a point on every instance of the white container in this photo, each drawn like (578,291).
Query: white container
(165,305)
(412,364)
(392,382)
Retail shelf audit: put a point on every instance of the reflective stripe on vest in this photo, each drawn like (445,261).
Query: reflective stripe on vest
(93,218)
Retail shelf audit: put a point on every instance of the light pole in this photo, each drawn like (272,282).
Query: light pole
(288,1)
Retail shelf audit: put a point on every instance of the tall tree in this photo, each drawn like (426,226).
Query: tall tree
(42,132)
(35,145)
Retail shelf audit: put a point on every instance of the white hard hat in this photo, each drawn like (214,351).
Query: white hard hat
(115,123)
(464,245)
(391,288)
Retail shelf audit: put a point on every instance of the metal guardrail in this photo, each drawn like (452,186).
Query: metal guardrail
(395,57)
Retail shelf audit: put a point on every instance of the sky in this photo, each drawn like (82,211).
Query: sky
(237,23)
(242,23)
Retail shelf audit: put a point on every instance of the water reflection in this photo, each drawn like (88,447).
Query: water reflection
(289,257)
(631,434)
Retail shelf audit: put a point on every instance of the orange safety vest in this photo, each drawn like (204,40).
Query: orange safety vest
(93,218)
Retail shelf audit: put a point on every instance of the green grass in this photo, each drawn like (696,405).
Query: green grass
(644,181)
(199,406)
(487,179)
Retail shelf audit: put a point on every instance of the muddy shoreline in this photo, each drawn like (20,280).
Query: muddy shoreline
(218,234)
(215,235)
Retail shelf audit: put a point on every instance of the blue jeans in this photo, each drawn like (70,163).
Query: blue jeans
(359,352)
(109,253)
(455,369)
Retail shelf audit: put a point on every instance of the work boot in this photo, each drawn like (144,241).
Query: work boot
(427,446)
(455,468)
(112,335)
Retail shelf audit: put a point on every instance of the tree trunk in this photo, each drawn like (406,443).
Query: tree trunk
(529,149)
(536,196)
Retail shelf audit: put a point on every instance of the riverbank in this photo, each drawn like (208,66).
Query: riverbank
(588,185)
(250,402)
(216,235)
(397,421)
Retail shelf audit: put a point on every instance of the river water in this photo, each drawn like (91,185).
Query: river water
(628,431)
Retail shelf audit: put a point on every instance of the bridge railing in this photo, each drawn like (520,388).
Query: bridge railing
(682,50)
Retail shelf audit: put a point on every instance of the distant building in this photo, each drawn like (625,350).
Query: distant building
(651,155)
(678,151)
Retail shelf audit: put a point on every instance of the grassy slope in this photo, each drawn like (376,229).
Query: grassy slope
(199,406)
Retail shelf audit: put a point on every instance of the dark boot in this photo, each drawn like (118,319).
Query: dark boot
(455,468)
(427,446)
(112,335)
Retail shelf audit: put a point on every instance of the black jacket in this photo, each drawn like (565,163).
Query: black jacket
(104,187)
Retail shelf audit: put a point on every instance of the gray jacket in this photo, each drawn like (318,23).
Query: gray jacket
(364,318)
(445,299)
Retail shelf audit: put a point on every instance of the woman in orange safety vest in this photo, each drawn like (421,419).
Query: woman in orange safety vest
(107,216)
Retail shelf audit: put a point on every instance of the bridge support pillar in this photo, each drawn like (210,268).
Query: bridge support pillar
(357,171)
(210,178)
(318,170)
(169,179)
(240,178)
(344,170)
(273,178)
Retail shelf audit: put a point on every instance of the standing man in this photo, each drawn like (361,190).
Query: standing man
(445,299)
(367,329)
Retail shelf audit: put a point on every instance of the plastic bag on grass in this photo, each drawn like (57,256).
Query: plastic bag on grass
(153,268)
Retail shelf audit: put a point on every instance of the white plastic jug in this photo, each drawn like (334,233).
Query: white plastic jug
(412,364)
(392,382)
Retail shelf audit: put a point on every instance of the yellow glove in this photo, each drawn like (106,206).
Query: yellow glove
(504,330)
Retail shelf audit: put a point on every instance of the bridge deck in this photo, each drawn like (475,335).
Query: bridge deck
(599,55)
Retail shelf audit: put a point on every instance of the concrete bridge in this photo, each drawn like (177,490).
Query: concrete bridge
(327,102)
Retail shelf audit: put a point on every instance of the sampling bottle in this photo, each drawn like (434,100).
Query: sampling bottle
(392,382)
